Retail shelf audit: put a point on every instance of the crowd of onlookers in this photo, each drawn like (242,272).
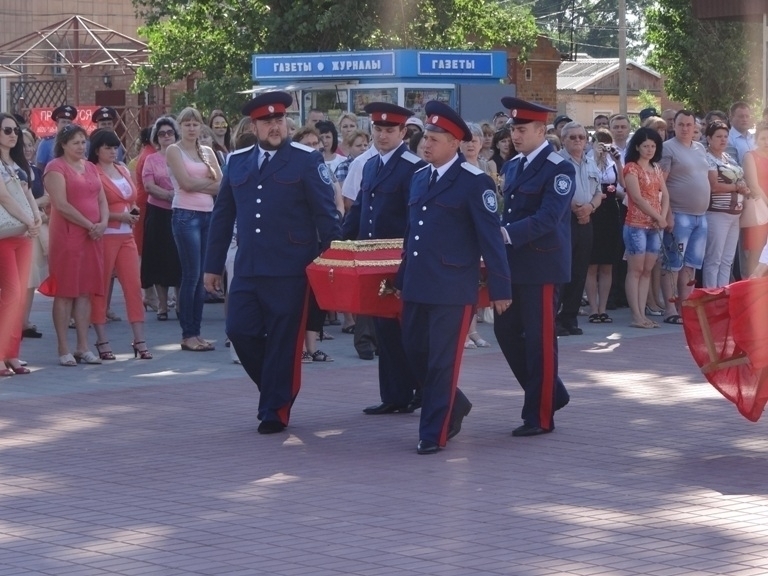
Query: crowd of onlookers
(679,200)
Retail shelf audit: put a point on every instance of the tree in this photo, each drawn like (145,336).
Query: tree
(592,25)
(216,38)
(708,64)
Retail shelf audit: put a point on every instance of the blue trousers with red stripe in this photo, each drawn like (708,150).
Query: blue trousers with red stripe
(266,319)
(396,379)
(433,338)
(527,337)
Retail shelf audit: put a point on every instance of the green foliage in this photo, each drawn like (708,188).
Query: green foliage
(707,63)
(218,37)
(646,99)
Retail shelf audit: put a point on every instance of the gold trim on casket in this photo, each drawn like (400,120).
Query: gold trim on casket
(349,277)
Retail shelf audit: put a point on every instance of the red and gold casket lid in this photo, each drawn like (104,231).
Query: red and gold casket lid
(357,276)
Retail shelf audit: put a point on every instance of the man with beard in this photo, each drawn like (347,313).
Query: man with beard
(280,194)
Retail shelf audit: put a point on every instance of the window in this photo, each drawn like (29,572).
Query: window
(528,74)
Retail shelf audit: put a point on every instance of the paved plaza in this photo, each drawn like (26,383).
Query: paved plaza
(141,468)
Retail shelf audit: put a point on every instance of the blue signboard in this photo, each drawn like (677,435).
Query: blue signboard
(333,65)
(457,64)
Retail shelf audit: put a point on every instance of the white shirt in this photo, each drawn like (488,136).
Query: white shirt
(351,187)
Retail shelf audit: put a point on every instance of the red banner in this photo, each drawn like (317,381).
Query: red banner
(43,125)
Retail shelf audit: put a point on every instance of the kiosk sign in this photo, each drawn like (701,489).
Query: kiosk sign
(455,64)
(334,65)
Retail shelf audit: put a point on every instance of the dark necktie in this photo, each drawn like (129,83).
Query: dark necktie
(379,166)
(433,179)
(264,162)
(520,167)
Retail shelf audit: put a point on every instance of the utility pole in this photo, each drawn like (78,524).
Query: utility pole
(623,56)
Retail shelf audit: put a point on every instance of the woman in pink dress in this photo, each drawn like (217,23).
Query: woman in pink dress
(15,250)
(79,216)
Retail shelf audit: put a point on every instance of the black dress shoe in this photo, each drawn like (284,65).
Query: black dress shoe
(387,408)
(528,430)
(271,427)
(415,403)
(575,331)
(455,426)
(563,331)
(367,355)
(560,405)
(427,447)
(31,333)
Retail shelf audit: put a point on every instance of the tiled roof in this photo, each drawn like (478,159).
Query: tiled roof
(580,74)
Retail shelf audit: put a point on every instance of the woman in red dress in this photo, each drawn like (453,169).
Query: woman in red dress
(79,215)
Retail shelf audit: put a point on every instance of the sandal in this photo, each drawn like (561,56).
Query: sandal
(674,319)
(320,356)
(605,319)
(87,357)
(17,369)
(469,345)
(197,347)
(324,336)
(477,340)
(67,360)
(348,330)
(112,317)
(143,354)
(162,316)
(594,319)
(306,357)
(104,354)
(653,312)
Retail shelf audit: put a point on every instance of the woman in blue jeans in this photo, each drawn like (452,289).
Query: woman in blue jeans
(196,176)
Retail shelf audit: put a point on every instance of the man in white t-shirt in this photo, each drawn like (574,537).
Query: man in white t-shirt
(685,167)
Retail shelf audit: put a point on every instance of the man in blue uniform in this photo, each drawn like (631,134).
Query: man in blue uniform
(281,196)
(63,116)
(452,221)
(380,211)
(105,118)
(536,225)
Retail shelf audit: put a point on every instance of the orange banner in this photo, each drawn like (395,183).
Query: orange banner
(43,125)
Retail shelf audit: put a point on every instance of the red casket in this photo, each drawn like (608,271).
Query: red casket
(357,276)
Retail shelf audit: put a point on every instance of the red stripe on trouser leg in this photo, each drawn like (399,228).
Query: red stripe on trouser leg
(547,355)
(284,412)
(463,330)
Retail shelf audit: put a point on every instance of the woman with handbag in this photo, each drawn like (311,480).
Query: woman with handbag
(726,200)
(754,216)
(19,223)
(79,215)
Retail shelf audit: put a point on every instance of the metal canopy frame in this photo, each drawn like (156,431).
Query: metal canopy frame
(73,43)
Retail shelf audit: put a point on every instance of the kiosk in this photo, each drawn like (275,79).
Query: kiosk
(338,82)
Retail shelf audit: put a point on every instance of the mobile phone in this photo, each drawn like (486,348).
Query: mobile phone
(135,212)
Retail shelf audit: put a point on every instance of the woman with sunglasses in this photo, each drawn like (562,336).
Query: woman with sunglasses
(79,216)
(160,266)
(15,251)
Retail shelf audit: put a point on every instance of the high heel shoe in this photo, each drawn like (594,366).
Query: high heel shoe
(143,354)
(149,305)
(106,354)
(17,370)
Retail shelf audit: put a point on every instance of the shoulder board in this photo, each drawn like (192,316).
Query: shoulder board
(410,157)
(241,150)
(555,158)
(302,147)
(472,168)
(422,168)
